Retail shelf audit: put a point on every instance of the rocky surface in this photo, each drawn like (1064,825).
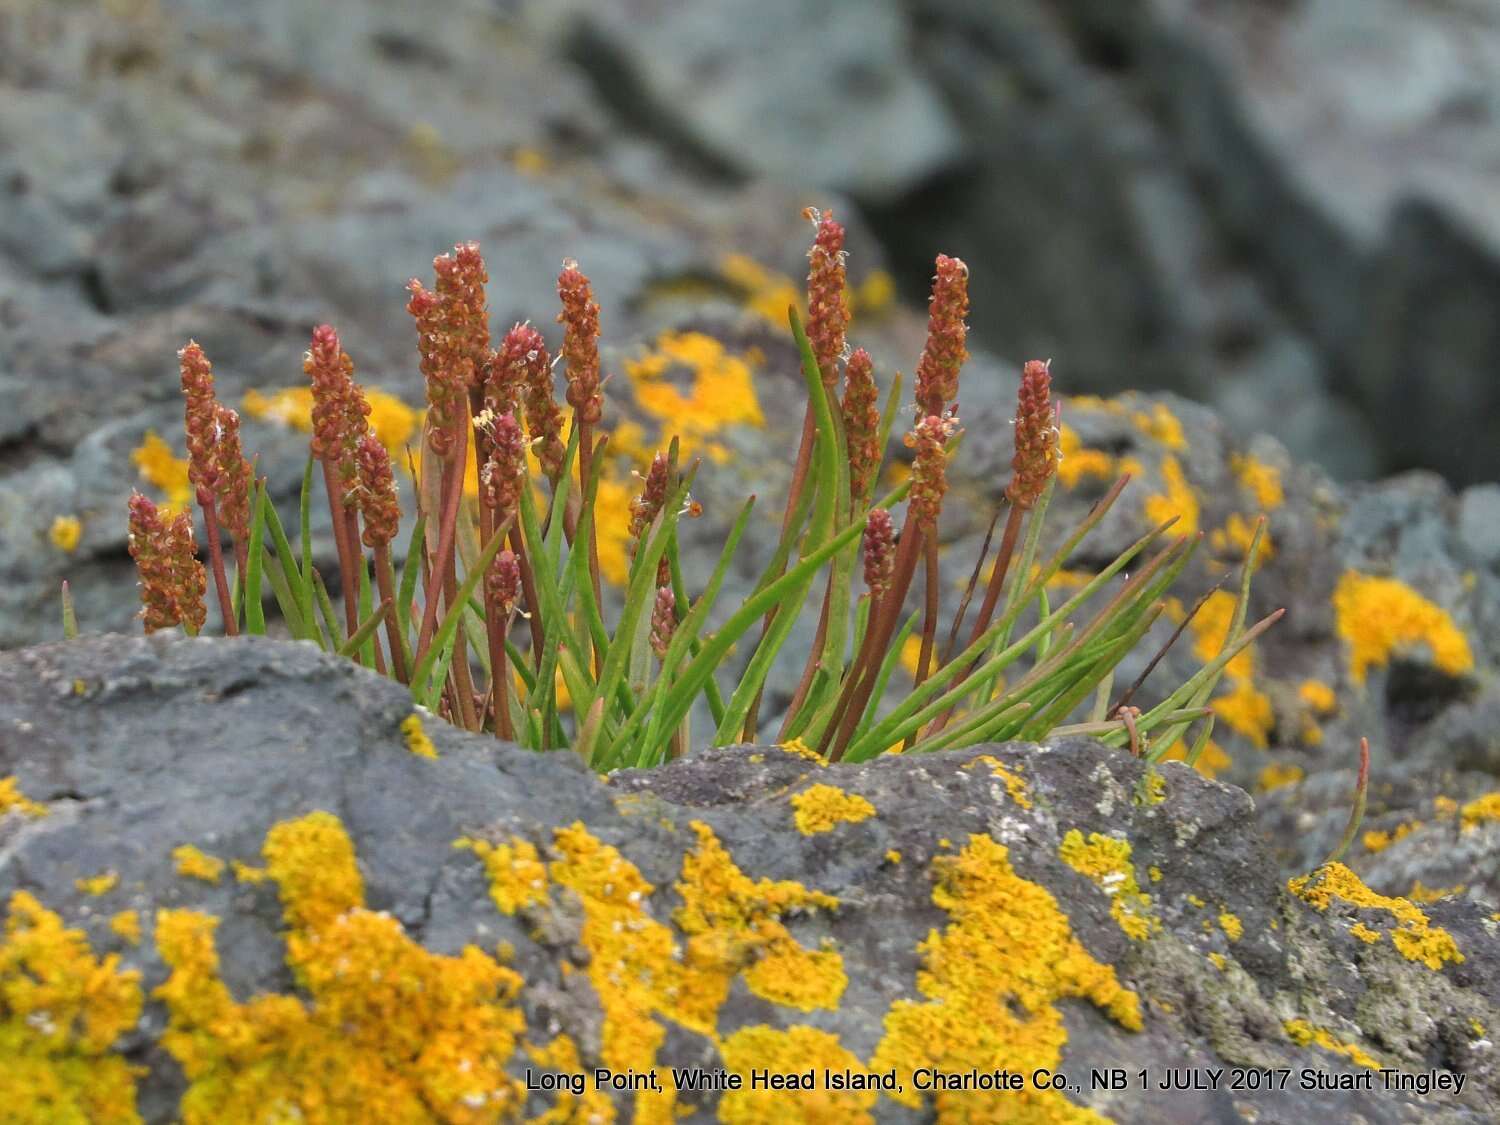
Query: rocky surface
(675,917)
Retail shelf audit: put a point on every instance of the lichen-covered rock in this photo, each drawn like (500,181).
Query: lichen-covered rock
(282,902)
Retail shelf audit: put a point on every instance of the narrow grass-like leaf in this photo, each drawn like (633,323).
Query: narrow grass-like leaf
(69,613)
(448,630)
(366,629)
(255,617)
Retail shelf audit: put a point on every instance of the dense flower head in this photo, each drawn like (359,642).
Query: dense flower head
(879,552)
(929,479)
(827,304)
(232,474)
(502,584)
(645,507)
(453,338)
(663,620)
(944,353)
(377,492)
(523,369)
(340,414)
(580,321)
(861,421)
(504,473)
(198,389)
(172,580)
(1035,458)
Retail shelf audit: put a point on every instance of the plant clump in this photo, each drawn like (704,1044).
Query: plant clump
(486,591)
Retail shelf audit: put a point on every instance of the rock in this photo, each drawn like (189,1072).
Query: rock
(673,917)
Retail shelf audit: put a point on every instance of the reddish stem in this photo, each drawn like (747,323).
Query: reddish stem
(216,564)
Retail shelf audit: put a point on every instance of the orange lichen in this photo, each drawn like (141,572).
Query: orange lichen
(1243,707)
(1276,775)
(1377,840)
(1106,862)
(792,1051)
(991,980)
(13,800)
(1481,809)
(165,470)
(1015,784)
(65,533)
(61,1009)
(1415,938)
(127,926)
(1420,892)
(246,873)
(100,884)
(390,1032)
(1381,617)
(766,293)
(1247,710)
(193,863)
(1365,934)
(1233,928)
(1262,481)
(822,808)
(1177,499)
(1302,1033)
(1318,696)
(1213,761)
(417,739)
(592,1107)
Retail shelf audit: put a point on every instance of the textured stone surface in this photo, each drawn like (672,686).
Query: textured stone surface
(138,746)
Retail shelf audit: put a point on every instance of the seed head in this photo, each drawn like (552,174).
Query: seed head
(663,620)
(645,507)
(944,353)
(523,371)
(929,479)
(580,321)
(172,580)
(231,474)
(453,337)
(827,306)
(880,555)
(377,493)
(502,585)
(861,421)
(340,414)
(198,389)
(1036,437)
(504,474)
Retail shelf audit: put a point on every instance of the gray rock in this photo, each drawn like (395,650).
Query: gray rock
(136,747)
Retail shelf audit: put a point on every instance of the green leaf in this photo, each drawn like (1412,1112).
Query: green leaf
(447,631)
(69,614)
(255,617)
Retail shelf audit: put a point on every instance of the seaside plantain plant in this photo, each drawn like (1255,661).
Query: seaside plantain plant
(498,600)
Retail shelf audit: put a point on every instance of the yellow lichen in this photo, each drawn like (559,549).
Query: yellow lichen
(391,420)
(1420,892)
(991,980)
(1077,462)
(1262,481)
(13,800)
(1303,1033)
(245,873)
(1233,928)
(1364,933)
(791,1051)
(1377,840)
(1196,901)
(892,856)
(1415,937)
(517,876)
(127,925)
(1220,962)
(1177,499)
(802,750)
(1106,862)
(1381,617)
(61,1009)
(390,1031)
(161,467)
(1277,775)
(1154,873)
(1235,537)
(193,863)
(721,390)
(65,533)
(1444,807)
(1015,784)
(1247,710)
(822,808)
(1162,426)
(100,884)
(1481,809)
(1319,696)
(1213,761)
(766,293)
(417,739)
(592,1107)
(1243,707)
(874,295)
